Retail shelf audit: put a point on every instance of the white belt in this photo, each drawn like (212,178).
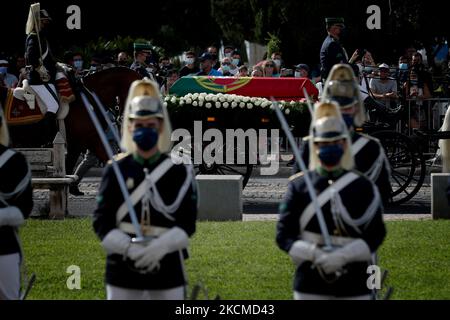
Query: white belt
(147,230)
(318,239)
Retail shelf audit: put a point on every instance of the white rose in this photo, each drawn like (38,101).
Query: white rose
(167,98)
(208,105)
(208,98)
(242,105)
(257,102)
(287,111)
(201,98)
(214,99)
(188,101)
(234,104)
(292,103)
(195,103)
(181,102)
(226,105)
(165,104)
(173,100)
(222,99)
(217,104)
(245,99)
(200,103)
(195,95)
(249,106)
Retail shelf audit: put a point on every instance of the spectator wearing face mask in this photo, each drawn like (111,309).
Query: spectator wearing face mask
(301,71)
(236,59)
(227,68)
(206,66)
(122,59)
(7,80)
(189,64)
(276,58)
(228,51)
(212,50)
(77,63)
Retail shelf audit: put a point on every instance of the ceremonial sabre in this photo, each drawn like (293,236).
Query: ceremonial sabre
(104,114)
(115,166)
(323,227)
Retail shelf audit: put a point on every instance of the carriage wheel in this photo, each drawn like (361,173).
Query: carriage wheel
(407,165)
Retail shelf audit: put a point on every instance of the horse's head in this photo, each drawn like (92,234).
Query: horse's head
(112,85)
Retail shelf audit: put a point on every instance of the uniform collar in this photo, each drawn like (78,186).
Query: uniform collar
(148,161)
(330,174)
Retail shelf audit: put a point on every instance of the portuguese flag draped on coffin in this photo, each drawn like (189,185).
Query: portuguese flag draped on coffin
(279,88)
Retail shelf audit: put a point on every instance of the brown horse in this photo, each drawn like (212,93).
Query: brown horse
(111,86)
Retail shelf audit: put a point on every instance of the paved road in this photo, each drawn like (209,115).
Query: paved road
(261,197)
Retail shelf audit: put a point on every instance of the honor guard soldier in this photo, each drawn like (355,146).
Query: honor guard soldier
(16,202)
(369,156)
(143,60)
(332,51)
(352,214)
(41,69)
(165,201)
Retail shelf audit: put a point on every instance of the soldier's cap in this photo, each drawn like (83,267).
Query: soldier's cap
(206,56)
(343,92)
(145,107)
(3,61)
(334,21)
(142,46)
(44,15)
(328,129)
(302,66)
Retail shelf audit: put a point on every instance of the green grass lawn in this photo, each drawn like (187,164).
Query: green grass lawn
(237,260)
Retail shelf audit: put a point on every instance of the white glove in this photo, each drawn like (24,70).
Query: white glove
(117,242)
(148,257)
(355,251)
(302,251)
(11,216)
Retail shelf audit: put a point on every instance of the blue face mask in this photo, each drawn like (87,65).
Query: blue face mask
(145,138)
(78,64)
(348,119)
(403,66)
(3,70)
(236,62)
(330,155)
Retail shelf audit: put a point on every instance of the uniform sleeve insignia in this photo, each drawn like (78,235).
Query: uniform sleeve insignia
(119,156)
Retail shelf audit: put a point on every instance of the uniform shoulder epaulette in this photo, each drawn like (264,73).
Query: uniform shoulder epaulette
(119,157)
(295,176)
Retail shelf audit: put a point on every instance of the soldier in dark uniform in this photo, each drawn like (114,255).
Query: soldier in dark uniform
(332,51)
(165,200)
(143,63)
(351,209)
(16,202)
(367,151)
(41,67)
